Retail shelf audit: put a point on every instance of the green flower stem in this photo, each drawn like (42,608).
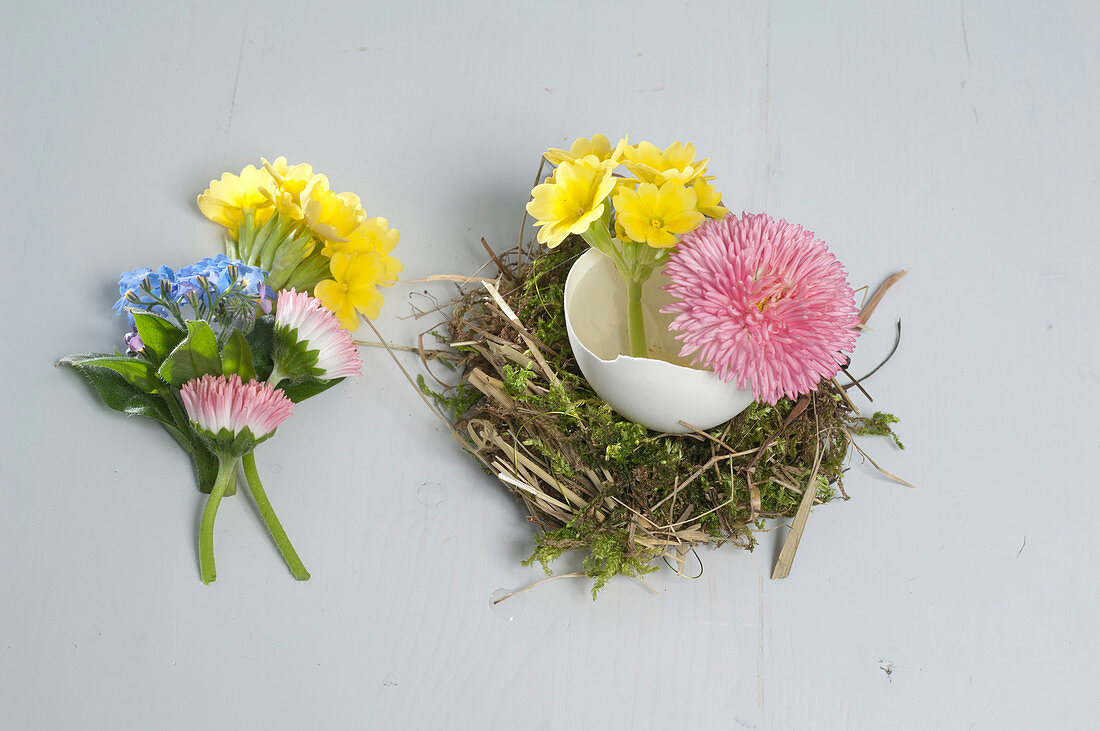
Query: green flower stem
(263,505)
(635,263)
(277,376)
(226,468)
(634,319)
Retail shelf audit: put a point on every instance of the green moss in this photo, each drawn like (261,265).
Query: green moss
(515,381)
(878,424)
(608,553)
(462,397)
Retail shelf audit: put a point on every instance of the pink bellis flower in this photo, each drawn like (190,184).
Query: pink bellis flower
(232,417)
(763,302)
(309,341)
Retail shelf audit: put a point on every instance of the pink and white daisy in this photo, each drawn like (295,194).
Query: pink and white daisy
(762,302)
(318,329)
(214,403)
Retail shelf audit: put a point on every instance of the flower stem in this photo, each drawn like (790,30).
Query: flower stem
(263,505)
(206,526)
(634,319)
(276,376)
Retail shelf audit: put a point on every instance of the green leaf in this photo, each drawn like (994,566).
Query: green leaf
(119,394)
(158,336)
(298,391)
(237,357)
(138,372)
(259,339)
(197,355)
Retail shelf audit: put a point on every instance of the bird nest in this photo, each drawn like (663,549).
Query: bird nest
(595,482)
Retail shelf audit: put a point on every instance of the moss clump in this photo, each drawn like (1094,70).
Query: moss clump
(878,424)
(598,483)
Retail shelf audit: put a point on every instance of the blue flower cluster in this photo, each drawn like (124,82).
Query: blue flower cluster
(210,277)
(144,289)
(201,285)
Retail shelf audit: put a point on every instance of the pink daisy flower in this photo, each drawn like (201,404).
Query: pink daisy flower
(214,403)
(762,302)
(317,328)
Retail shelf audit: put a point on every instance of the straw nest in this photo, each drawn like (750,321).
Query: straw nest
(594,482)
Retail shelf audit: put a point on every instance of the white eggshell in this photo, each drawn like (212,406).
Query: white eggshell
(658,392)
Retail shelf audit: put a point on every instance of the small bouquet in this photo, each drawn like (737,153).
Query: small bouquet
(661,375)
(220,351)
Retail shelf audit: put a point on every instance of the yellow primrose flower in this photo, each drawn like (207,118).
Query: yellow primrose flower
(330,215)
(620,232)
(290,181)
(656,215)
(226,199)
(653,165)
(373,234)
(391,267)
(571,199)
(599,147)
(625,184)
(708,199)
(352,288)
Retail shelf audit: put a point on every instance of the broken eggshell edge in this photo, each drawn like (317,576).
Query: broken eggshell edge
(658,392)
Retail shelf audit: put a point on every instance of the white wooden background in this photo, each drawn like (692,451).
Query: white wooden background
(956,139)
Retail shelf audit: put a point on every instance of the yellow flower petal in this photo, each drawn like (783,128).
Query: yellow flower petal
(709,200)
(338,265)
(369,302)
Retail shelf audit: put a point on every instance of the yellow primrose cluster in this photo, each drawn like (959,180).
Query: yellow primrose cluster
(667,193)
(287,220)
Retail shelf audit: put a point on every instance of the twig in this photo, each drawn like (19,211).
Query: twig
(408,378)
(897,342)
(895,478)
(794,536)
(501,266)
(869,308)
(574,575)
(431,354)
(523,222)
(536,352)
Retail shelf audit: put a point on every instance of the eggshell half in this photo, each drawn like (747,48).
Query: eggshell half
(658,392)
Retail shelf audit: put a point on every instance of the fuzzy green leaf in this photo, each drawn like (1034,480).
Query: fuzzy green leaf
(120,395)
(158,336)
(197,355)
(237,357)
(298,391)
(137,372)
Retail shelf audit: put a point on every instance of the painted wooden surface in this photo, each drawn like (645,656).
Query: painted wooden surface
(958,140)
